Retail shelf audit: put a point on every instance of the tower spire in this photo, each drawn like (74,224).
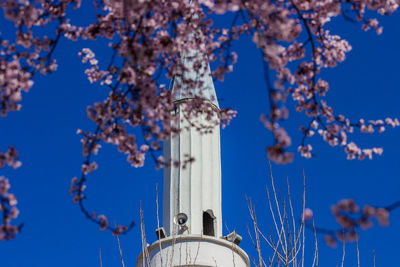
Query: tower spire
(195,80)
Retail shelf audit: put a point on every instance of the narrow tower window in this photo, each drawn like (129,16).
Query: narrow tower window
(208,223)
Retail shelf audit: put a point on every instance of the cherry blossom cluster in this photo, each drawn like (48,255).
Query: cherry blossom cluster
(351,217)
(10,158)
(150,40)
(8,201)
(78,186)
(30,52)
(320,49)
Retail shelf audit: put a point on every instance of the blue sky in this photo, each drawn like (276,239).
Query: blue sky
(44,132)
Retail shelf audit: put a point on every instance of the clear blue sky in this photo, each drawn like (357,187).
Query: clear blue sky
(44,132)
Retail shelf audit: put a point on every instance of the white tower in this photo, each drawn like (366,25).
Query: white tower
(192,218)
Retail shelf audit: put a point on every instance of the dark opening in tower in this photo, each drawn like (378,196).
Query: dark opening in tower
(208,223)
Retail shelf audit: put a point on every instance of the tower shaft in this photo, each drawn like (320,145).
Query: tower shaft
(193,187)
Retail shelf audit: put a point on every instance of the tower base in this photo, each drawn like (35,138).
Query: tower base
(193,251)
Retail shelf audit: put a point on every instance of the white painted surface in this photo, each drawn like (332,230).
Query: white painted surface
(193,250)
(196,187)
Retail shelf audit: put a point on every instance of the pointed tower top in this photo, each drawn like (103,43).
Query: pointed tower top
(195,80)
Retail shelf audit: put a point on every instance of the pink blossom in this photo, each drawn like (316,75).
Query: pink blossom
(365,223)
(103,222)
(305,151)
(307,214)
(369,211)
(87,168)
(330,241)
(383,216)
